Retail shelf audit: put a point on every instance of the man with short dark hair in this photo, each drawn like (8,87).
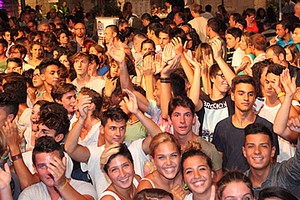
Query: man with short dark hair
(49,162)
(243,94)
(80,34)
(283,31)
(14,65)
(259,150)
(3,57)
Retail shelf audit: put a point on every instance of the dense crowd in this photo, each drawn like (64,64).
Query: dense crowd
(180,104)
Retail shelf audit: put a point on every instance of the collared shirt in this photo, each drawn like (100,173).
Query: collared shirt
(282,43)
(285,174)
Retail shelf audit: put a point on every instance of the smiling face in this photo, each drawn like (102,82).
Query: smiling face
(271,81)
(166,159)
(34,117)
(197,175)
(220,83)
(231,42)
(258,151)
(121,172)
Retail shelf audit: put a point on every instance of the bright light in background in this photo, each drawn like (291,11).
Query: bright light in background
(1,4)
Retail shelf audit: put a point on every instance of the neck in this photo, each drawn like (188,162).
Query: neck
(127,193)
(2,57)
(80,40)
(257,177)
(287,37)
(216,94)
(241,119)
(272,101)
(21,109)
(205,195)
(258,52)
(83,78)
(184,139)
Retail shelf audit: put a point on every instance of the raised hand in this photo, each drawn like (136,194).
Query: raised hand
(148,65)
(5,177)
(177,45)
(168,53)
(57,168)
(116,51)
(83,104)
(217,49)
(288,83)
(294,124)
(10,131)
(178,192)
(131,102)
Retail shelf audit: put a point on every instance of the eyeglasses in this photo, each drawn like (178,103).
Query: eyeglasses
(221,75)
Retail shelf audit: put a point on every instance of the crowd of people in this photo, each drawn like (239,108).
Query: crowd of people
(197,105)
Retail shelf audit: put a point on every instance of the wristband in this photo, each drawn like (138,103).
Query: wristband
(281,94)
(165,81)
(16,157)
(62,187)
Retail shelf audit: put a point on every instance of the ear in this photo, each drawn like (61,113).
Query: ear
(34,168)
(194,119)
(59,137)
(244,152)
(238,39)
(101,129)
(58,101)
(114,34)
(42,77)
(273,151)
(212,79)
(232,96)
(281,56)
(10,117)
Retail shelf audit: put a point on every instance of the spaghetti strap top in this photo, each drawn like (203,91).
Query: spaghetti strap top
(147,179)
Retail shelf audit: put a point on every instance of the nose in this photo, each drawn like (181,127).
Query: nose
(257,150)
(122,172)
(118,132)
(196,174)
(182,119)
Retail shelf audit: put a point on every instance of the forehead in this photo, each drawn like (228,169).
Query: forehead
(181,109)
(79,25)
(148,45)
(163,35)
(279,26)
(52,68)
(71,93)
(115,123)
(43,157)
(12,64)
(258,138)
(246,87)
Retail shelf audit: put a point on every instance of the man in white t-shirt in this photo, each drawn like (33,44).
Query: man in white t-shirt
(81,65)
(198,23)
(112,130)
(49,163)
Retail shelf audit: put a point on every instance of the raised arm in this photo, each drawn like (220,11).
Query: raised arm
(280,123)
(76,151)
(57,168)
(5,178)
(194,93)
(150,126)
(217,50)
(13,141)
(148,71)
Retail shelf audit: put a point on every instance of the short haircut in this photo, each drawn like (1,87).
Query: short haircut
(17,90)
(96,99)
(214,24)
(114,114)
(156,27)
(214,70)
(235,32)
(16,60)
(46,144)
(178,32)
(285,24)
(80,55)
(276,69)
(146,16)
(243,79)
(152,194)
(148,41)
(163,138)
(196,8)
(259,41)
(236,16)
(47,62)
(55,117)
(20,48)
(61,89)
(258,128)
(8,104)
(277,50)
(208,8)
(182,101)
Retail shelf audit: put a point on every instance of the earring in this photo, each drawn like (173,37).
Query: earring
(185,186)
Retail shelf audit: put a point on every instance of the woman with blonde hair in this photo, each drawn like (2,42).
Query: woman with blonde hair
(165,154)
(117,163)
